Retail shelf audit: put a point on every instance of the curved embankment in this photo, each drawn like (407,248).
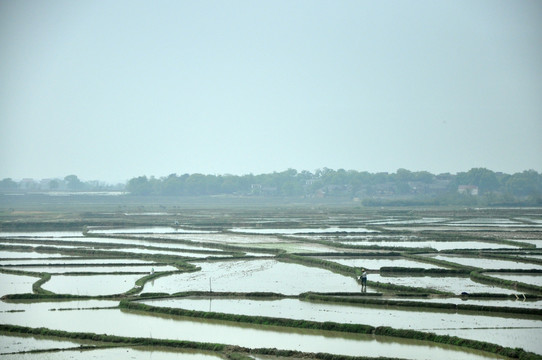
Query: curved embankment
(339,327)
(41,293)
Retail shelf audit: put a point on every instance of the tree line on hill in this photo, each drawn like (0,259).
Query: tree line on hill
(70,183)
(475,185)
(404,187)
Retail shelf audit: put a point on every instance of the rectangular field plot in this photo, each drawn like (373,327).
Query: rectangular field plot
(535,242)
(376,264)
(494,223)
(90,284)
(293,231)
(525,333)
(93,269)
(515,303)
(129,242)
(11,344)
(16,284)
(40,234)
(254,275)
(437,245)
(180,253)
(483,263)
(72,261)
(297,247)
(455,285)
(396,221)
(22,307)
(228,238)
(5,254)
(112,353)
(524,278)
(144,230)
(127,323)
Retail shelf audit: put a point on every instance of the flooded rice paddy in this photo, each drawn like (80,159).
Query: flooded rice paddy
(14,344)
(92,285)
(110,353)
(329,230)
(8,254)
(526,334)
(254,276)
(134,324)
(455,285)
(529,279)
(55,269)
(144,230)
(485,263)
(16,284)
(437,245)
(513,302)
(376,264)
(250,255)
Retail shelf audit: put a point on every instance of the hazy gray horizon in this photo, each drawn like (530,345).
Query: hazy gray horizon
(114,90)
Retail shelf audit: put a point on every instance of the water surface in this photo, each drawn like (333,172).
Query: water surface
(525,331)
(134,324)
(92,285)
(264,275)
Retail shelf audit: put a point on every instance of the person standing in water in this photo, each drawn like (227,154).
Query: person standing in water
(363,280)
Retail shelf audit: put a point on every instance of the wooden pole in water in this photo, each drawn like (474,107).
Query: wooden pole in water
(210,288)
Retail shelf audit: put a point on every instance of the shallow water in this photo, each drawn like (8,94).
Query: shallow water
(517,303)
(255,275)
(132,242)
(40,234)
(92,285)
(54,306)
(11,344)
(493,264)
(127,249)
(300,247)
(4,254)
(228,238)
(376,264)
(291,231)
(524,278)
(354,238)
(375,316)
(145,230)
(164,252)
(485,221)
(133,324)
(22,242)
(283,278)
(535,242)
(408,221)
(93,269)
(71,260)
(16,284)
(441,245)
(455,285)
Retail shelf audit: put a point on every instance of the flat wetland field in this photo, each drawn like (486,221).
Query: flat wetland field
(253,278)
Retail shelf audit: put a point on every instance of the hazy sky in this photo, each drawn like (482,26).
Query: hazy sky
(110,90)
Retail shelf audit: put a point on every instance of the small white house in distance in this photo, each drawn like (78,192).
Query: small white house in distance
(468,189)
